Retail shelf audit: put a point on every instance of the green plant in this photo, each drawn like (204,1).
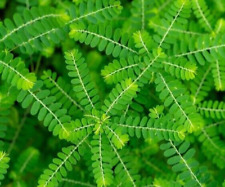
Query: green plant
(112,93)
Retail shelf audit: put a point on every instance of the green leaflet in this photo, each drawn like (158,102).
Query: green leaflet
(123,167)
(181,68)
(212,146)
(58,169)
(61,90)
(153,75)
(152,128)
(121,95)
(141,15)
(143,41)
(32,29)
(212,109)
(117,137)
(175,97)
(218,69)
(102,167)
(15,72)
(95,10)
(180,157)
(46,108)
(103,37)
(84,88)
(119,70)
(4,159)
(175,17)
(39,27)
(202,84)
(202,12)
(202,49)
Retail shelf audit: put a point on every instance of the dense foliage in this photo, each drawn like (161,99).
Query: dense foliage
(112,93)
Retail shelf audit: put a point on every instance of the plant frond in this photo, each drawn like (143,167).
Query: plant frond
(220,26)
(102,161)
(175,30)
(61,165)
(175,17)
(140,13)
(79,129)
(25,30)
(127,176)
(61,90)
(95,11)
(174,95)
(181,158)
(148,66)
(181,69)
(121,95)
(161,128)
(218,72)
(212,109)
(202,49)
(82,85)
(4,164)
(13,70)
(112,42)
(201,85)
(161,5)
(204,15)
(143,42)
(120,70)
(212,145)
(45,107)
(117,137)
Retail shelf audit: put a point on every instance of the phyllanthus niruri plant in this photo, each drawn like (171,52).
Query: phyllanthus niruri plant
(112,93)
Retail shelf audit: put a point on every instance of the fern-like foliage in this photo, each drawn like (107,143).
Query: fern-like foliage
(15,72)
(160,6)
(40,27)
(95,11)
(151,128)
(103,37)
(102,161)
(31,30)
(120,96)
(181,69)
(207,49)
(141,13)
(61,90)
(143,41)
(212,146)
(119,70)
(212,109)
(218,69)
(45,107)
(84,88)
(111,89)
(58,169)
(175,17)
(181,158)
(123,168)
(201,85)
(203,14)
(181,107)
(4,164)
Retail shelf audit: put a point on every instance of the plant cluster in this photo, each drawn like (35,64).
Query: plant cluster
(112,93)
